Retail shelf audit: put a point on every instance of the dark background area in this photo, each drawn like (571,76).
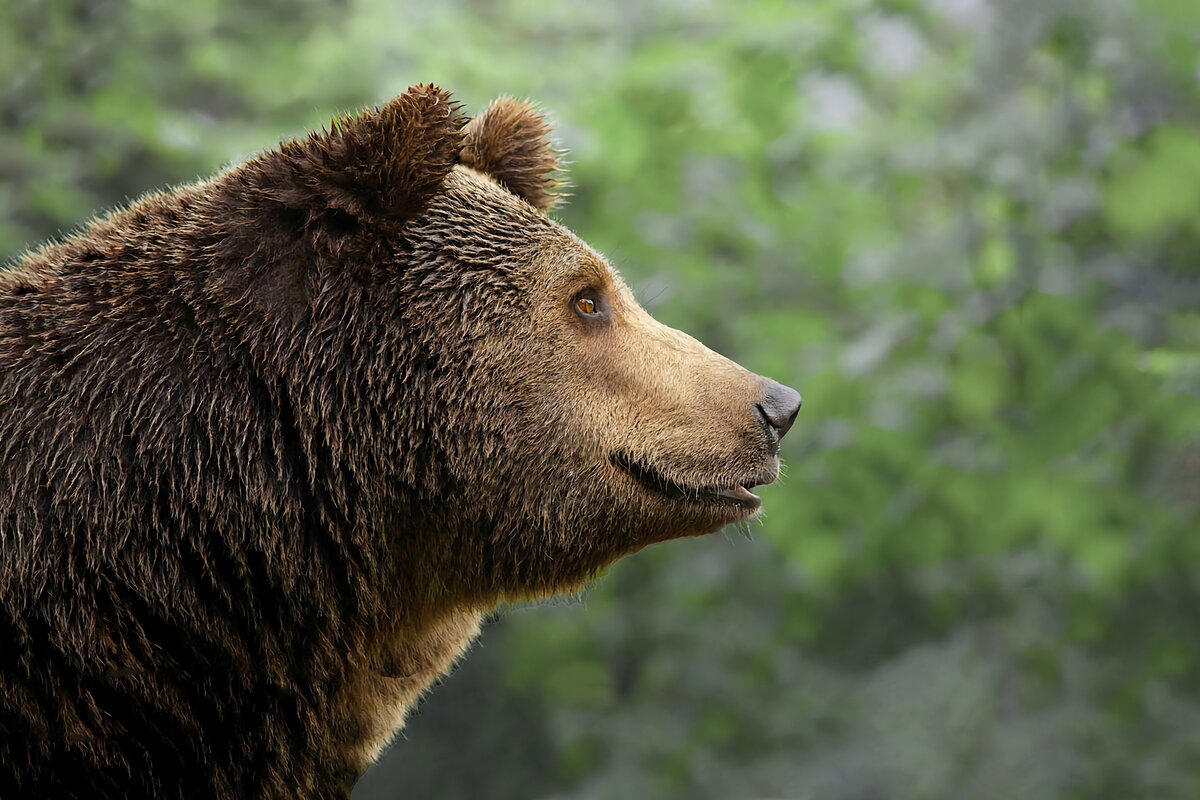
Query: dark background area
(968,231)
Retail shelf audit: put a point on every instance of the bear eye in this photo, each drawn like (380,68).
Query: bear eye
(591,305)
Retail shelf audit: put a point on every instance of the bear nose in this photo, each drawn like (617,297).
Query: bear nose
(779,406)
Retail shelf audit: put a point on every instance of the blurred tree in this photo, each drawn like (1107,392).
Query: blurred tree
(968,230)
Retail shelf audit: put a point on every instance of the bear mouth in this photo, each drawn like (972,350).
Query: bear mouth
(736,493)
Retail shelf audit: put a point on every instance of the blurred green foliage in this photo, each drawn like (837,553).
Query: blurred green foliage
(968,230)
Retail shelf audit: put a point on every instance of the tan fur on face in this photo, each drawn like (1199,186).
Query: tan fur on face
(647,390)
(667,399)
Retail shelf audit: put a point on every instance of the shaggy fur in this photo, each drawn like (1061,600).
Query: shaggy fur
(270,444)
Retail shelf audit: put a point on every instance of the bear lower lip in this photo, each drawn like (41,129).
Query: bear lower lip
(656,481)
(740,494)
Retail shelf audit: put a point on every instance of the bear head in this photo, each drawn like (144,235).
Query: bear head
(498,381)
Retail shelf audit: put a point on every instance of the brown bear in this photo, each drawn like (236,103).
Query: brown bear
(272,443)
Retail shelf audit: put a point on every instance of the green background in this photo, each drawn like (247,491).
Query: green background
(968,231)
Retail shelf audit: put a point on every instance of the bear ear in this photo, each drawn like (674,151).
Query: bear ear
(380,165)
(510,141)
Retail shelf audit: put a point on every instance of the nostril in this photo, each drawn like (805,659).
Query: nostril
(762,414)
(779,406)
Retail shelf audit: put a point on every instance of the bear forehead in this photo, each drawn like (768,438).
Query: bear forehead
(477,221)
(476,201)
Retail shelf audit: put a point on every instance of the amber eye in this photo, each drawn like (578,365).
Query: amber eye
(586,305)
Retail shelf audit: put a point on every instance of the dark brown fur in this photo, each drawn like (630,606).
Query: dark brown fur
(270,444)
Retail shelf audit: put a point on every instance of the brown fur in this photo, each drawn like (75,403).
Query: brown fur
(271,443)
(510,142)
